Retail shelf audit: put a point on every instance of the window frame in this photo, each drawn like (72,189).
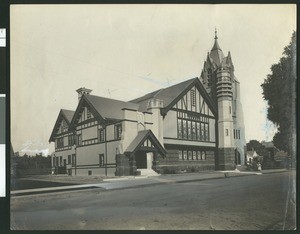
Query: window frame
(101,135)
(101,160)
(118,131)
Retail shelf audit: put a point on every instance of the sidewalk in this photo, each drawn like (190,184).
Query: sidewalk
(142,181)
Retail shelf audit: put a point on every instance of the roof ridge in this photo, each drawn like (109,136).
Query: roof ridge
(67,110)
(140,99)
(111,99)
(158,91)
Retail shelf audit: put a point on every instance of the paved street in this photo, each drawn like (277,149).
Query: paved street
(257,202)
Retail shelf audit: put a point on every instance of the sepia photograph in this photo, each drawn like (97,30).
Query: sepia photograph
(153,116)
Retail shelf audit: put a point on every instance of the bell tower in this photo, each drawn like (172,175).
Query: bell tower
(226,149)
(219,80)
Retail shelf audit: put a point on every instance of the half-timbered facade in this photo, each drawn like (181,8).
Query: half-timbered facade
(194,125)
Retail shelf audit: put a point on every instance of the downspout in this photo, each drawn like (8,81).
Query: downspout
(105,150)
(75,160)
(75,142)
(217,161)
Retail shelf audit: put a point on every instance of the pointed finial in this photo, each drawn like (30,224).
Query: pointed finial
(216,37)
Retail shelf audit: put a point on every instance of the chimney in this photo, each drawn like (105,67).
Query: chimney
(83,91)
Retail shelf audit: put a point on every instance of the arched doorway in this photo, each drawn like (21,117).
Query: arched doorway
(237,157)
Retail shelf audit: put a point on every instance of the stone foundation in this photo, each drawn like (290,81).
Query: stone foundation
(226,159)
(122,165)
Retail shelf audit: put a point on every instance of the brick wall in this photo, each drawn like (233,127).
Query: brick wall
(226,158)
(172,163)
(123,166)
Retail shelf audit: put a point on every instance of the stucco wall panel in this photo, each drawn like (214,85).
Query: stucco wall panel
(110,131)
(170,124)
(89,133)
(89,154)
(212,132)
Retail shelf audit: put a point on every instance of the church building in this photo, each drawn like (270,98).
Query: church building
(194,125)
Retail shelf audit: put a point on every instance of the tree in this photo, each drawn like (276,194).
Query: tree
(258,147)
(279,90)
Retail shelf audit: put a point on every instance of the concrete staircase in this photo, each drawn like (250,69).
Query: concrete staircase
(148,172)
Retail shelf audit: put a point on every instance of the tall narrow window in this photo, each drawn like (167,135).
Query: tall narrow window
(101,135)
(189,130)
(69,159)
(203,155)
(229,109)
(79,139)
(180,155)
(234,134)
(194,136)
(202,132)
(190,155)
(184,129)
(118,131)
(206,135)
(185,155)
(73,160)
(60,142)
(179,128)
(71,140)
(194,155)
(226,132)
(193,97)
(198,155)
(64,126)
(101,160)
(198,131)
(88,114)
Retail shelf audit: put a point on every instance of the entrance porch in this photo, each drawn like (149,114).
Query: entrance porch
(140,158)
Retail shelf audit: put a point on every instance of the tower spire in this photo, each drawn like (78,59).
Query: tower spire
(216,53)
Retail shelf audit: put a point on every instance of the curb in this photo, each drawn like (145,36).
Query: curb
(92,186)
(125,178)
(53,191)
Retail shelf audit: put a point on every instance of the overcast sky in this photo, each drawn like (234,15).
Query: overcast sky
(126,51)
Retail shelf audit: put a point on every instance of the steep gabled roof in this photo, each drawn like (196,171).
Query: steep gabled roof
(140,139)
(110,108)
(167,95)
(104,109)
(67,115)
(146,97)
(172,94)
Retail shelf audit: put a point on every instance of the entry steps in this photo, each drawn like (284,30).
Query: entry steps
(148,172)
(241,167)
